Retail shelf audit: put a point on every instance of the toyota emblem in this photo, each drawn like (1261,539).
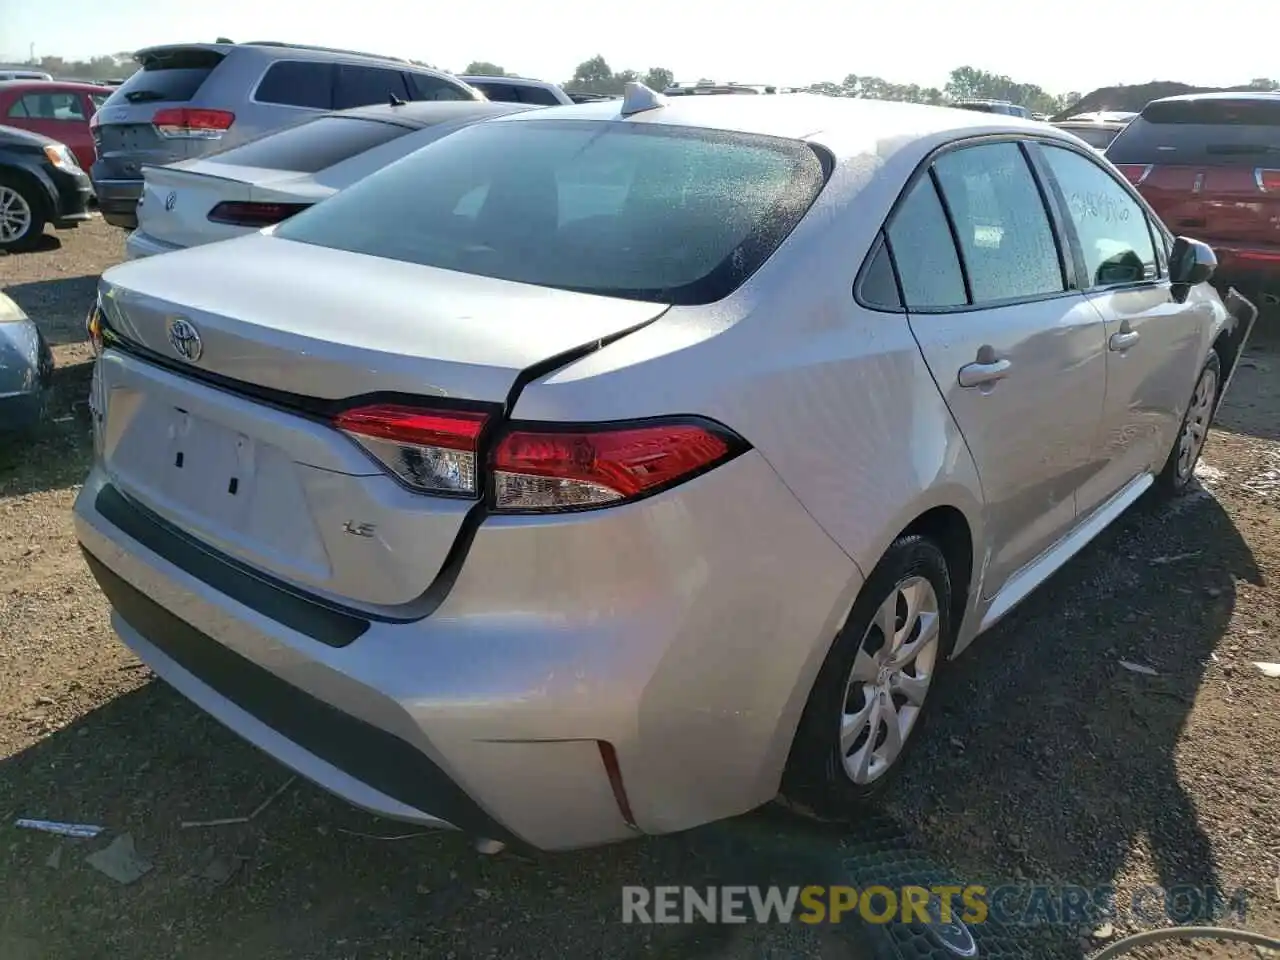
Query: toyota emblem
(171,200)
(185,339)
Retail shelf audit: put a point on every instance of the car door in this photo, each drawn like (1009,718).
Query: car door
(59,114)
(1016,352)
(1153,342)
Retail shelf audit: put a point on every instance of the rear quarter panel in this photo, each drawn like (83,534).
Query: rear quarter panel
(837,398)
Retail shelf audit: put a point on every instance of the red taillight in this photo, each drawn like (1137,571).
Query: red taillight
(192,123)
(1268,180)
(552,468)
(1135,172)
(432,451)
(246,214)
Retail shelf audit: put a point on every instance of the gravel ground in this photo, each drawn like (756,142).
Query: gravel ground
(1048,761)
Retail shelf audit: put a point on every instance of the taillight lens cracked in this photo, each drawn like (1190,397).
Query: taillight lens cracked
(537,468)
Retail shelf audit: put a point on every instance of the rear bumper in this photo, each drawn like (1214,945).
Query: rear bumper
(139,245)
(118,201)
(684,631)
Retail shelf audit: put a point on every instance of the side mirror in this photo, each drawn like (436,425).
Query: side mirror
(1191,262)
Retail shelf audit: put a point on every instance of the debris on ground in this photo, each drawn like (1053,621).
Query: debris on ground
(83,830)
(54,860)
(1139,668)
(1173,558)
(1268,669)
(1104,932)
(227,821)
(489,847)
(120,860)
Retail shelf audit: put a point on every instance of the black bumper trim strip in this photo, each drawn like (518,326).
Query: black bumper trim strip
(381,760)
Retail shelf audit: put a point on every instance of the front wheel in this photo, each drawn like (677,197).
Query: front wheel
(1180,469)
(21,216)
(867,703)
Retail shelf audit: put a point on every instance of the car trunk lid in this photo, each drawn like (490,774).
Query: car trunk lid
(237,447)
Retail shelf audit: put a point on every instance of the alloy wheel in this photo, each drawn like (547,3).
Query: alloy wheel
(1195,428)
(891,676)
(15,215)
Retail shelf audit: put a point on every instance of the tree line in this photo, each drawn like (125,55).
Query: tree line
(594,75)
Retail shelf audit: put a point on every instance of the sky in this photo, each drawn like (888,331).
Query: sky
(1077,45)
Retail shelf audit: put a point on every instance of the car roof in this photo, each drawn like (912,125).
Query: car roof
(517,81)
(286,51)
(1263,96)
(52,86)
(832,121)
(425,113)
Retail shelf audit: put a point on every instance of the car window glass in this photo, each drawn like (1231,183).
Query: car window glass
(1114,234)
(1001,221)
(49,106)
(99,99)
(426,87)
(359,86)
(297,83)
(538,95)
(498,92)
(878,287)
(924,251)
(648,212)
(312,146)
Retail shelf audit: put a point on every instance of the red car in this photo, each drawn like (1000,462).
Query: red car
(54,108)
(1210,166)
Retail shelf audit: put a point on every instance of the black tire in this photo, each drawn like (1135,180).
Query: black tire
(1176,477)
(35,203)
(815,782)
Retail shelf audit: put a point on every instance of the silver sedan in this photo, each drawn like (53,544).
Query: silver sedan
(609,469)
(26,365)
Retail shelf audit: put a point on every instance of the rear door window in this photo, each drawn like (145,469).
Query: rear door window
(423,86)
(1205,131)
(537,95)
(1001,221)
(924,251)
(1115,236)
(297,83)
(171,75)
(49,106)
(311,146)
(498,92)
(358,86)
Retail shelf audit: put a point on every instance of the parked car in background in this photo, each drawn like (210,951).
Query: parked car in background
(1210,164)
(708,88)
(56,108)
(26,368)
(18,73)
(267,180)
(1104,116)
(40,183)
(1003,107)
(190,99)
(519,90)
(1096,133)
(436,497)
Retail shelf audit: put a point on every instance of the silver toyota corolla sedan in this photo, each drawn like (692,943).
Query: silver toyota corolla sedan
(610,469)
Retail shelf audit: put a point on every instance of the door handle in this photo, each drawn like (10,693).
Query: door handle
(978,373)
(1125,339)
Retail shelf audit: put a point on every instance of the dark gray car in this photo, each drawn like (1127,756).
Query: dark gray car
(192,98)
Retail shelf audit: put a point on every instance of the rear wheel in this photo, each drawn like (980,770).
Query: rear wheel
(1180,469)
(21,215)
(866,707)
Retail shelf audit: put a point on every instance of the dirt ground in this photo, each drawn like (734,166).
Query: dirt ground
(1049,761)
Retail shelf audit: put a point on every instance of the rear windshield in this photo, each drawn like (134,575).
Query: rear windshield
(637,211)
(311,146)
(1206,132)
(1099,137)
(170,75)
